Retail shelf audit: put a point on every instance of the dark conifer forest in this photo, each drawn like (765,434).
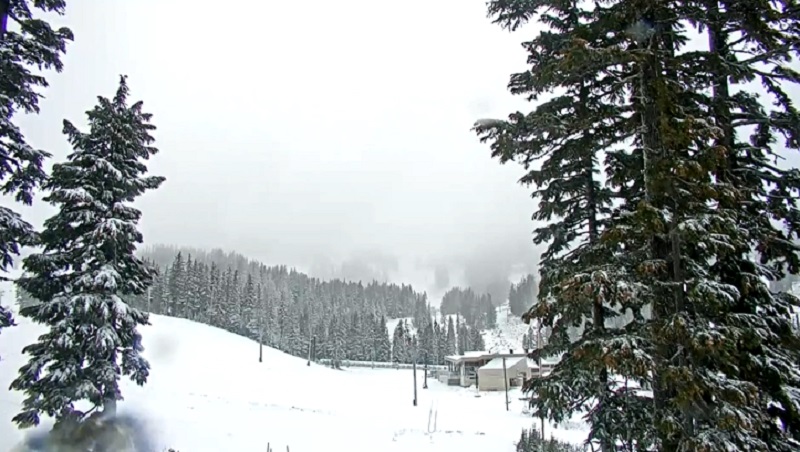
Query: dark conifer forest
(291,311)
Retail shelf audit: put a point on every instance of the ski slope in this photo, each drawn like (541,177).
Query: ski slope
(208,393)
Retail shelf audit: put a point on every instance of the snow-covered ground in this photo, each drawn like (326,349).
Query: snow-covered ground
(208,392)
(508,333)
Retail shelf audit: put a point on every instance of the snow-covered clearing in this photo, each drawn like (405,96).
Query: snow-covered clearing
(207,392)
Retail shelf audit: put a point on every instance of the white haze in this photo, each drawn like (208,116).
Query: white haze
(333,136)
(312,133)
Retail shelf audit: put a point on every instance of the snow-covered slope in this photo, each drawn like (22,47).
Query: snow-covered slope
(208,393)
(508,333)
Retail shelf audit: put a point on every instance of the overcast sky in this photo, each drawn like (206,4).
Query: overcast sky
(311,132)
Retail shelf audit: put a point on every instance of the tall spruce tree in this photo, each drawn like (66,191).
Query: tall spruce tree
(693,203)
(34,44)
(88,263)
(450,339)
(565,136)
(761,39)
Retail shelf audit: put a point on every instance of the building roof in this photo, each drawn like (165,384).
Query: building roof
(470,356)
(497,363)
(478,356)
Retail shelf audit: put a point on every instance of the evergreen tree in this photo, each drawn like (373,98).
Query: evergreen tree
(338,338)
(441,342)
(437,344)
(491,314)
(233,302)
(34,45)
(203,291)
(426,343)
(522,295)
(176,286)
(474,339)
(398,343)
(581,284)
(216,279)
(321,344)
(88,263)
(760,194)
(384,346)
(462,337)
(693,202)
(249,308)
(450,344)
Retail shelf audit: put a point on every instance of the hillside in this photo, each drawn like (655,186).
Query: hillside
(508,333)
(207,392)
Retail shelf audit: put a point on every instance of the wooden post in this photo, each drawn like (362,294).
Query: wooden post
(505,380)
(261,345)
(541,371)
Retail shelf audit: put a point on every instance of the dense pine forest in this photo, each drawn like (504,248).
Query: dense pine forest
(298,314)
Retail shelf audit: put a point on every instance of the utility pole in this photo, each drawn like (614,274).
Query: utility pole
(261,343)
(310,346)
(505,380)
(414,367)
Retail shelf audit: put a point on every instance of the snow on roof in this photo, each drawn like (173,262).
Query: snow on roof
(497,363)
(469,356)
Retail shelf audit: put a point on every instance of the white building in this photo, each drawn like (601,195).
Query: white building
(485,370)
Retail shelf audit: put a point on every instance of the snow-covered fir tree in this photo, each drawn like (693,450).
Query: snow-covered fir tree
(176,285)
(384,344)
(87,265)
(33,43)
(450,344)
(667,285)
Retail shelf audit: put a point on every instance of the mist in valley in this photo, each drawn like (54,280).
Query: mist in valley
(344,150)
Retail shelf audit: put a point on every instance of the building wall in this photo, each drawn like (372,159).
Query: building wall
(492,379)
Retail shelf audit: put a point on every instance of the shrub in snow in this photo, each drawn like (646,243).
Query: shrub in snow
(532,441)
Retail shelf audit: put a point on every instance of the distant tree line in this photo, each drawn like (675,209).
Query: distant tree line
(522,295)
(286,309)
(434,340)
(478,311)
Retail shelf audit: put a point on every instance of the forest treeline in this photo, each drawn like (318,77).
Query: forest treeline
(289,310)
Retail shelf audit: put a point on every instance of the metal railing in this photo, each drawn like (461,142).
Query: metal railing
(383,365)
